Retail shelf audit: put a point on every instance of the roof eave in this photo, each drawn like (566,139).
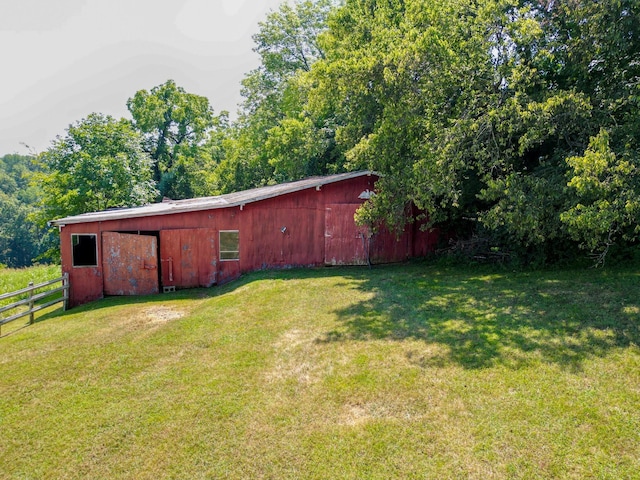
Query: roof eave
(130,212)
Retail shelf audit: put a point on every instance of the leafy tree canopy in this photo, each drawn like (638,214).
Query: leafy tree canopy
(21,241)
(272,141)
(517,120)
(98,164)
(174,125)
(480,113)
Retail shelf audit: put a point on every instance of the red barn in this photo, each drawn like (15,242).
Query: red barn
(206,241)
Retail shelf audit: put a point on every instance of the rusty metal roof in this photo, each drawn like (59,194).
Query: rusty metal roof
(168,207)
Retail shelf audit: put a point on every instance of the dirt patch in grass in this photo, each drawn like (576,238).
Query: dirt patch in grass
(384,408)
(355,414)
(162,314)
(153,316)
(296,358)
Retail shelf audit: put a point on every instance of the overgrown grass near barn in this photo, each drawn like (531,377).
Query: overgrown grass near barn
(14,279)
(411,371)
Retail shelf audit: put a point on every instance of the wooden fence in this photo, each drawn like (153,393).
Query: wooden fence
(32,299)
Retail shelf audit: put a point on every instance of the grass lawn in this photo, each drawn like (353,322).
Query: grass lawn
(409,371)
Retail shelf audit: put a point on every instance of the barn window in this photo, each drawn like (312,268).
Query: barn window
(84,250)
(229,245)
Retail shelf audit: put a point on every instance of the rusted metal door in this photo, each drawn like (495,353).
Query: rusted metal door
(188,257)
(345,243)
(129,264)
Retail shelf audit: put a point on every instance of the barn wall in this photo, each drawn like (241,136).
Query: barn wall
(86,282)
(209,224)
(281,232)
(425,241)
(413,241)
(189,257)
(290,230)
(348,191)
(129,264)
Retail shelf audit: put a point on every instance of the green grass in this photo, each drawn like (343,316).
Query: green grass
(12,279)
(411,371)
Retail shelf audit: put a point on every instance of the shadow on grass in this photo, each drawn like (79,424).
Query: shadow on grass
(11,329)
(23,322)
(482,319)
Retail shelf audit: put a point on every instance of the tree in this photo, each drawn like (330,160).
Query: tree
(21,241)
(273,141)
(98,164)
(395,75)
(174,125)
(608,190)
(288,44)
(478,111)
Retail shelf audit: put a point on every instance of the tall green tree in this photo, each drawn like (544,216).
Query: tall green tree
(174,125)
(272,140)
(288,44)
(477,111)
(396,73)
(98,164)
(21,240)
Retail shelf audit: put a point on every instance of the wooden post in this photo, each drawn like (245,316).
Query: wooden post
(65,292)
(31,315)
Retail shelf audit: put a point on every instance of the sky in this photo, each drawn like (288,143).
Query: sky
(64,59)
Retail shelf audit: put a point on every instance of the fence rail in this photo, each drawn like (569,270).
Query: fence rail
(32,298)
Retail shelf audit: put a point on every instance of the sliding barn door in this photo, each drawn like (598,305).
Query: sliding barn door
(345,243)
(129,264)
(188,257)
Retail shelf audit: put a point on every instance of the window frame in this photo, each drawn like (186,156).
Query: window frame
(236,252)
(95,242)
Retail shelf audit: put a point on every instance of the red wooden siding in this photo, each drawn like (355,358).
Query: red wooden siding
(310,227)
(188,257)
(282,232)
(345,243)
(87,280)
